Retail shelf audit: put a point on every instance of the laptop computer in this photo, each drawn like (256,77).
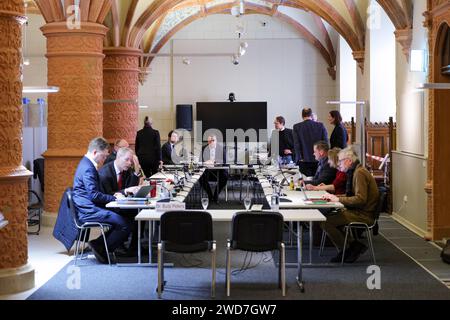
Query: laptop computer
(142,193)
(318,200)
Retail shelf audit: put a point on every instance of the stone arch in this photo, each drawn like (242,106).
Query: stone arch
(253,9)
(320,7)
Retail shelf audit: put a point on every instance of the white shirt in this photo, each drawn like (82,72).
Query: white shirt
(117,172)
(87,155)
(212,154)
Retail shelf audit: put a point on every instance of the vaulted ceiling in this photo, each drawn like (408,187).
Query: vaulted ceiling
(149,24)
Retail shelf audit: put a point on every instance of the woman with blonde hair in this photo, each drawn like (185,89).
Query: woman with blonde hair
(339,184)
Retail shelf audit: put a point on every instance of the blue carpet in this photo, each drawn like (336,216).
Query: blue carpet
(401,278)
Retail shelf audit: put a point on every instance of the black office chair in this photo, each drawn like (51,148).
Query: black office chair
(257,232)
(35,208)
(186,232)
(84,228)
(368,228)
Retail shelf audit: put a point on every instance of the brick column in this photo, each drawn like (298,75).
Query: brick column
(15,272)
(120,93)
(75,113)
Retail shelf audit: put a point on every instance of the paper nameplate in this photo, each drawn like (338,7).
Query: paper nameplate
(169,206)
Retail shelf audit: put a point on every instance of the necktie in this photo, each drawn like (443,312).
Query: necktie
(119,181)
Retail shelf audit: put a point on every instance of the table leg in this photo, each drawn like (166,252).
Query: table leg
(299,256)
(139,242)
(310,241)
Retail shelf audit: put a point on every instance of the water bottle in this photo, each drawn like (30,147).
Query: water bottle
(275,200)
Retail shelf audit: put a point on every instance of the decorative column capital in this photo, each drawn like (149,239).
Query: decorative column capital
(143,74)
(359,56)
(404,37)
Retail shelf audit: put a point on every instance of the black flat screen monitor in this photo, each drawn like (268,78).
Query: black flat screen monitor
(232,115)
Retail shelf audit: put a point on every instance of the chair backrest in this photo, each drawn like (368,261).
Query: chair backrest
(380,204)
(257,231)
(71,205)
(186,231)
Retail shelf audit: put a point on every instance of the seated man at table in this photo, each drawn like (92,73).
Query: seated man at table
(122,176)
(325,174)
(169,154)
(360,203)
(89,200)
(214,153)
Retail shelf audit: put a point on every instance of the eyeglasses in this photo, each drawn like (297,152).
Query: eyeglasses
(341,160)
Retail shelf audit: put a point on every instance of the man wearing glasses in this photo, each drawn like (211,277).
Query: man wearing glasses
(360,203)
(214,154)
(89,200)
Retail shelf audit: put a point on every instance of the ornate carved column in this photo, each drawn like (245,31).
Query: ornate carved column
(120,93)
(15,272)
(75,113)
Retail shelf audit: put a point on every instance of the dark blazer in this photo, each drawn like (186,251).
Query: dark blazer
(286,141)
(339,137)
(167,154)
(108,179)
(220,154)
(325,174)
(148,144)
(87,196)
(112,156)
(307,133)
(65,229)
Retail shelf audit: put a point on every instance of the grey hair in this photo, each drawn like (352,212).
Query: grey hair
(98,144)
(123,151)
(348,153)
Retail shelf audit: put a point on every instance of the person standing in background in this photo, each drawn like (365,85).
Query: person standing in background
(148,148)
(339,135)
(285,141)
(306,134)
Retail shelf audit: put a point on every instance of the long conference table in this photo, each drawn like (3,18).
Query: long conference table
(293,206)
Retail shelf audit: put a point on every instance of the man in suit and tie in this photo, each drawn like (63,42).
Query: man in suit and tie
(169,155)
(90,201)
(120,143)
(306,134)
(123,175)
(214,153)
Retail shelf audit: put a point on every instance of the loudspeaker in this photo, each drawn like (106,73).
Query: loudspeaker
(184,116)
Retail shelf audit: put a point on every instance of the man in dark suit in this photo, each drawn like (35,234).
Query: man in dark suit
(214,153)
(90,201)
(120,143)
(169,154)
(324,174)
(123,176)
(307,133)
(148,148)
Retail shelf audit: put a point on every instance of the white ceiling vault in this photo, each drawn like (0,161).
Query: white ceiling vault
(149,24)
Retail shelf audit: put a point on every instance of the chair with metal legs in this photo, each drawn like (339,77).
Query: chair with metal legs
(84,228)
(186,232)
(257,232)
(364,226)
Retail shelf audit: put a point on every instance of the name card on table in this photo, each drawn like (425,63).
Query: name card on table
(170,206)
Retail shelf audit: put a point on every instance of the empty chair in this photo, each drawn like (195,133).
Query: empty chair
(186,232)
(84,228)
(35,207)
(257,232)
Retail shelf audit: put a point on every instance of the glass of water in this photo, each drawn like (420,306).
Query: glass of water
(205,202)
(247,203)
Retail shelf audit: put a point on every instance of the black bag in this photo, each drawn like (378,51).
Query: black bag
(445,254)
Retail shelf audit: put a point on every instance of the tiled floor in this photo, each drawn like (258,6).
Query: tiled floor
(426,254)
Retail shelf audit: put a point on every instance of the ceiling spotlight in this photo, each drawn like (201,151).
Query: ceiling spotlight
(26,62)
(186,61)
(243,45)
(241,51)
(235,59)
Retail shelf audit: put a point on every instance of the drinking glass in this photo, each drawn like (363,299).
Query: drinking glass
(247,203)
(205,202)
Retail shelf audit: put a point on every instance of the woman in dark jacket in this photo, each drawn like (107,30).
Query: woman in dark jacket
(339,136)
